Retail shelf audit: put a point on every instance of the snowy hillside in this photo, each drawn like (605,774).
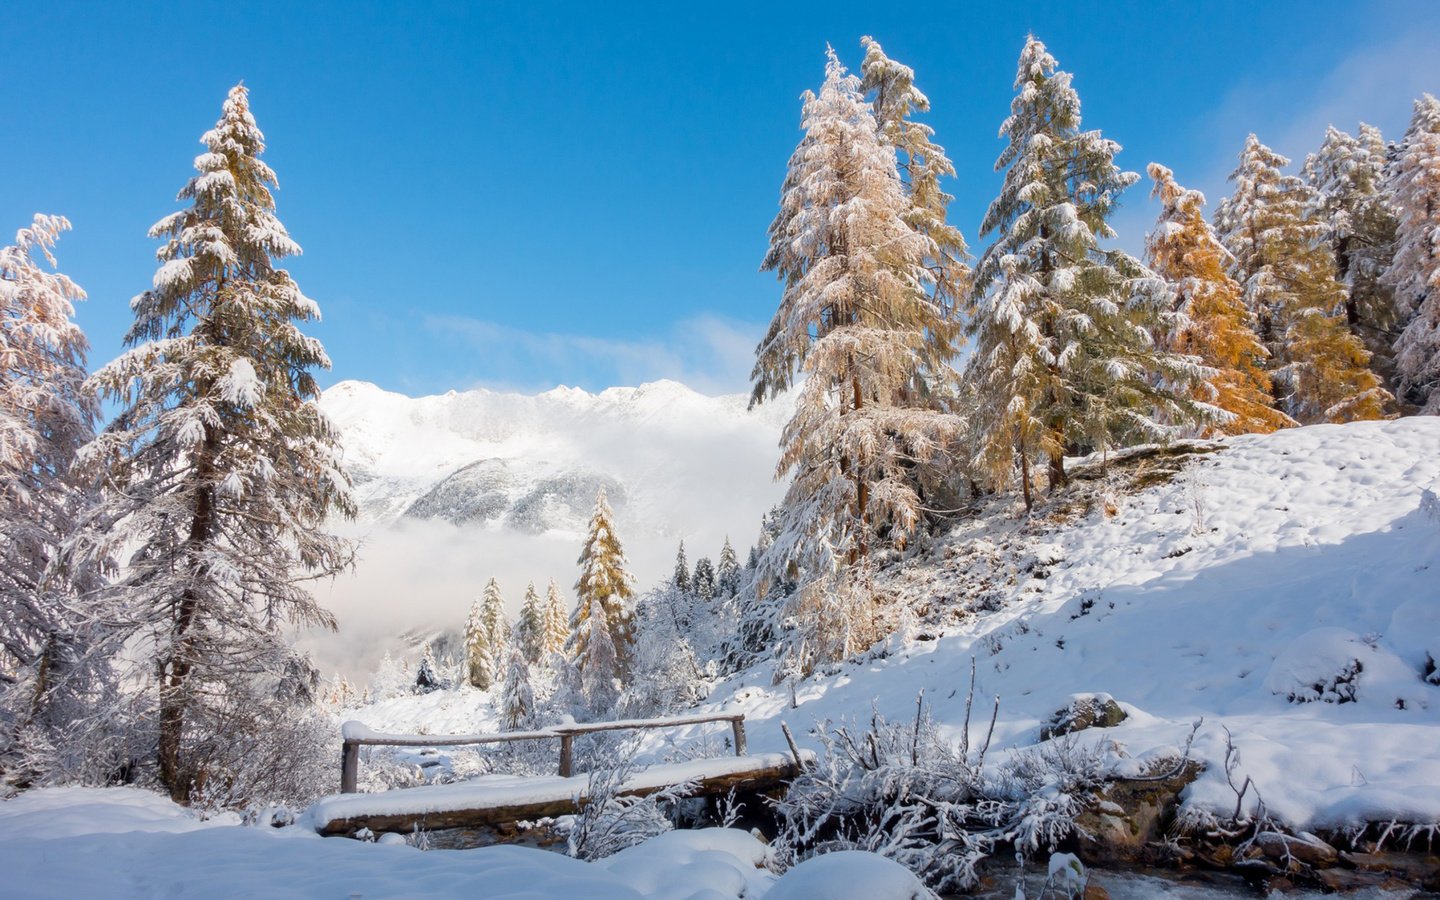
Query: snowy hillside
(1286,587)
(458,488)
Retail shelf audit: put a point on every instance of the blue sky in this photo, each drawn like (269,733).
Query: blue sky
(524,195)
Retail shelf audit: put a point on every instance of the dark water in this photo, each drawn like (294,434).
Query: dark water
(1171,885)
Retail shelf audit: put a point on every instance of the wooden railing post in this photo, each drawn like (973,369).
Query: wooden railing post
(349,767)
(567,754)
(737,725)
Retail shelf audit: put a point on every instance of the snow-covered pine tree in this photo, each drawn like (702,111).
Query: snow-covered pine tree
(681,579)
(530,628)
(1215,327)
(1415,273)
(391,679)
(703,584)
(858,318)
(517,701)
(604,580)
(479,664)
(427,679)
(1347,175)
(922,163)
(597,659)
(219,469)
(557,621)
(47,649)
(497,627)
(1064,359)
(727,572)
(1320,371)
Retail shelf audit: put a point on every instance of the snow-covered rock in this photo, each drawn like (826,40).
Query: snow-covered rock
(849,875)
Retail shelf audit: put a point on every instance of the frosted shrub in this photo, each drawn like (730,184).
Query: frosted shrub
(611,822)
(937,807)
(274,754)
(1048,786)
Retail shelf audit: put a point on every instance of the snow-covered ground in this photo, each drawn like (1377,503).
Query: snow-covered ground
(1252,583)
(124,843)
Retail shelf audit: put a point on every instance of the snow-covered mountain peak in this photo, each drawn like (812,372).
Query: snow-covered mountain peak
(493,451)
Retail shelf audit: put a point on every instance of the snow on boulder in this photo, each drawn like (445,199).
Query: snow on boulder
(1335,665)
(1415,634)
(1323,664)
(1082,711)
(704,864)
(849,875)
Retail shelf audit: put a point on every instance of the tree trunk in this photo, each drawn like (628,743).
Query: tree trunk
(1058,478)
(862,489)
(176,669)
(1025,479)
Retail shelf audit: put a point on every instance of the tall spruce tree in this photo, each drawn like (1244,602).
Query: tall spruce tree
(219,469)
(479,664)
(1320,371)
(603,580)
(1415,273)
(681,579)
(598,658)
(727,572)
(1064,359)
(557,621)
(47,645)
(1215,327)
(497,627)
(530,628)
(859,318)
(1347,175)
(517,702)
(704,583)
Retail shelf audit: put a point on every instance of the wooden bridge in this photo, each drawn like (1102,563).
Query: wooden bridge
(495,799)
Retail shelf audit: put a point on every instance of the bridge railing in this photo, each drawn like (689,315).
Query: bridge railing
(356,735)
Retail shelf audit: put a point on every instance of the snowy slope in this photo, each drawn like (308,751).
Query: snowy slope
(458,488)
(1251,584)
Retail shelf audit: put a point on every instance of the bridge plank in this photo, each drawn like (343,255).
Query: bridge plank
(498,799)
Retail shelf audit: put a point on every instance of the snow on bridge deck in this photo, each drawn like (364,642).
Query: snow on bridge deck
(494,799)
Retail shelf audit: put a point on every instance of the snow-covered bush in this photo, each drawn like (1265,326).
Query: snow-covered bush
(381,769)
(1045,788)
(610,821)
(268,754)
(94,742)
(938,807)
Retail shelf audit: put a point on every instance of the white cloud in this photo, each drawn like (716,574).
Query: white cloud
(709,353)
